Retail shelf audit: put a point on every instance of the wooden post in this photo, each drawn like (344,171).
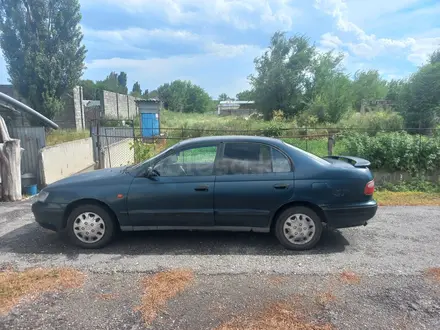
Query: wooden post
(331,143)
(10,162)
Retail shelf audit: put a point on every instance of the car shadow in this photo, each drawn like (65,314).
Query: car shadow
(32,239)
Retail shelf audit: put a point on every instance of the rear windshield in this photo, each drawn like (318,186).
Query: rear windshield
(308,154)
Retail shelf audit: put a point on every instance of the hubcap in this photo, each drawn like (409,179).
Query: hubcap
(299,229)
(89,227)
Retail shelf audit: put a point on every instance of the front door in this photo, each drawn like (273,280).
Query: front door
(253,180)
(182,195)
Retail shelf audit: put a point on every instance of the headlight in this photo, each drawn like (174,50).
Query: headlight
(42,196)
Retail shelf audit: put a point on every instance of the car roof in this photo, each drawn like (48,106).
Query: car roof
(227,138)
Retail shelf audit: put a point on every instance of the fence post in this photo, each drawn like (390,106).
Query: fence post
(307,140)
(330,144)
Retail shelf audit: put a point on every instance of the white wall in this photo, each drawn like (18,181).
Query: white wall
(118,154)
(62,160)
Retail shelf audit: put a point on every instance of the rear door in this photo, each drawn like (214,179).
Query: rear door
(252,181)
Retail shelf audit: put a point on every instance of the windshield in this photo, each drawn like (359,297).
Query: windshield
(146,162)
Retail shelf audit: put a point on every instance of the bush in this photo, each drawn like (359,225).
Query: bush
(396,151)
(144,151)
(374,122)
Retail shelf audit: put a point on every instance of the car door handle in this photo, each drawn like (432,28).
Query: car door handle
(281,186)
(201,188)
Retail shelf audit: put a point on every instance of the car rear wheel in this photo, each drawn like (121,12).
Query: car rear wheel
(90,226)
(298,228)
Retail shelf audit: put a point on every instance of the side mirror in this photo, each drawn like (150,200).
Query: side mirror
(150,173)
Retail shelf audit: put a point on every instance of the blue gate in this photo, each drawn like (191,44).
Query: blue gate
(150,124)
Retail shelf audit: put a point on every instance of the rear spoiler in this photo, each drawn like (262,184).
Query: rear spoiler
(355,161)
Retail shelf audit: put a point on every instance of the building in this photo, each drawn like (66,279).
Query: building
(236,108)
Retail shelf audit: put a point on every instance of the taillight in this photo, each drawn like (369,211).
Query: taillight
(369,188)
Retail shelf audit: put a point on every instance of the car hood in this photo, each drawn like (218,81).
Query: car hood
(91,177)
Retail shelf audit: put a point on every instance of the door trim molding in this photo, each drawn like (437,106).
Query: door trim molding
(198,228)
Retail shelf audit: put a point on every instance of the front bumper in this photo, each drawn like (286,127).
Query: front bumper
(49,215)
(350,215)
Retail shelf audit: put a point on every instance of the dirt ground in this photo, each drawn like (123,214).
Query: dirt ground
(110,301)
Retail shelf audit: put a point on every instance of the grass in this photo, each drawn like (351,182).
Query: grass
(16,285)
(65,135)
(161,287)
(409,198)
(277,316)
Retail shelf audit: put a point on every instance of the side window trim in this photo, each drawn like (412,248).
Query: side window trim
(291,164)
(221,153)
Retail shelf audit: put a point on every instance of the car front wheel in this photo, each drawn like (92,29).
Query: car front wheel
(298,228)
(90,226)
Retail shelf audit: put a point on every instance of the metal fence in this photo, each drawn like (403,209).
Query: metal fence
(125,144)
(32,139)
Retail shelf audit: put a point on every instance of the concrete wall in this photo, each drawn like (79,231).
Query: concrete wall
(382,177)
(132,107)
(118,106)
(109,104)
(63,160)
(118,154)
(72,117)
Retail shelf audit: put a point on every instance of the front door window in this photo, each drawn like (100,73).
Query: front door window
(190,162)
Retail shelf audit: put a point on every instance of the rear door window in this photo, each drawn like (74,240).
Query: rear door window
(251,158)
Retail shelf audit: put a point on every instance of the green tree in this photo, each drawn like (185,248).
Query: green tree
(435,57)
(178,95)
(247,95)
(183,96)
(420,102)
(146,94)
(122,83)
(328,90)
(42,46)
(90,91)
(223,97)
(281,75)
(153,94)
(136,90)
(368,86)
(197,99)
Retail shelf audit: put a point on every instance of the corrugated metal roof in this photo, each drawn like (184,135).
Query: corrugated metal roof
(237,102)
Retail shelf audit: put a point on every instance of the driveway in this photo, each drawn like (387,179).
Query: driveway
(237,273)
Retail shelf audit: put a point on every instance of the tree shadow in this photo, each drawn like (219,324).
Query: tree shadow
(32,239)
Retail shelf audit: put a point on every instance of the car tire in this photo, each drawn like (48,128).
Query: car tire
(90,226)
(298,228)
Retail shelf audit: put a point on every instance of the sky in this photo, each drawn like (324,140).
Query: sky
(214,43)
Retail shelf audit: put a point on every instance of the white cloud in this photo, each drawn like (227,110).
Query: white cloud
(330,41)
(421,50)
(242,14)
(136,34)
(156,71)
(367,45)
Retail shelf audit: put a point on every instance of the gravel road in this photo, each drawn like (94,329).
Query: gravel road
(236,274)
(399,240)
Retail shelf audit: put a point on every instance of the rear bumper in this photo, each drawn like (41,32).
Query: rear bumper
(351,215)
(49,215)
